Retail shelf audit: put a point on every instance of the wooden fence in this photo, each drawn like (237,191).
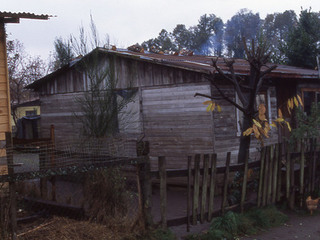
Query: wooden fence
(280,176)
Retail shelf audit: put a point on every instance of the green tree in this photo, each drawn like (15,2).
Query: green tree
(63,53)
(163,42)
(276,28)
(182,37)
(244,24)
(302,46)
(208,35)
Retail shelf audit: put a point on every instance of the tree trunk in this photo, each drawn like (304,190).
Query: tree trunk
(244,140)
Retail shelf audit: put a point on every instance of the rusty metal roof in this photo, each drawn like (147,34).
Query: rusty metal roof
(9,16)
(204,64)
(195,63)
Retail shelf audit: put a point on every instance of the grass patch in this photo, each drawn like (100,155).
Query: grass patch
(233,225)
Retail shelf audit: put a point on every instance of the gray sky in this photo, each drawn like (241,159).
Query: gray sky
(126,21)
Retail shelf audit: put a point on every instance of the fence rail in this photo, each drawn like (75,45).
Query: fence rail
(277,172)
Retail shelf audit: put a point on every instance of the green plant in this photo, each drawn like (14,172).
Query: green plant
(307,125)
(232,225)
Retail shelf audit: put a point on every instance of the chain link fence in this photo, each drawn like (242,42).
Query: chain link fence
(94,180)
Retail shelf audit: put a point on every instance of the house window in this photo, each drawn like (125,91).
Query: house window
(309,96)
(261,98)
(31,113)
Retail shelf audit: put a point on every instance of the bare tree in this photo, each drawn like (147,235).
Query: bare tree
(246,88)
(23,70)
(101,103)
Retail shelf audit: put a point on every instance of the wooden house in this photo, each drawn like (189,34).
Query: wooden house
(166,113)
(5,111)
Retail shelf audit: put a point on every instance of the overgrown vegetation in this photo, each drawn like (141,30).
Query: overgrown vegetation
(307,124)
(106,195)
(233,225)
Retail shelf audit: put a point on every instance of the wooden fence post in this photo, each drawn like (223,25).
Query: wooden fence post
(225,187)
(12,186)
(314,165)
(189,193)
(292,188)
(244,183)
(42,166)
(270,172)
(52,162)
(266,177)
(302,159)
(163,191)
(279,172)
(275,173)
(196,180)
(204,187)
(146,189)
(261,176)
(287,174)
(212,184)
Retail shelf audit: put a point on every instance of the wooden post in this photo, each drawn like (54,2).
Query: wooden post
(145,179)
(196,179)
(189,193)
(270,177)
(288,175)
(52,162)
(279,172)
(163,191)
(244,183)
(212,184)
(314,165)
(42,165)
(275,173)
(12,186)
(265,177)
(292,187)
(225,187)
(261,176)
(204,187)
(301,190)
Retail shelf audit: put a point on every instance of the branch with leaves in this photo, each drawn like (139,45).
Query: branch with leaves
(261,128)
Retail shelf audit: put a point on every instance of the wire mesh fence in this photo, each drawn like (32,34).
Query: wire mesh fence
(93,179)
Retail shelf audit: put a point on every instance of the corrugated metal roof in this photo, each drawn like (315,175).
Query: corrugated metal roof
(195,63)
(24,15)
(204,64)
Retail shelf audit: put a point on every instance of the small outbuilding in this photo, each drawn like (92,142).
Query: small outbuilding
(165,111)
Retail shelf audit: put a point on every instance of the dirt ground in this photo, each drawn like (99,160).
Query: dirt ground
(299,226)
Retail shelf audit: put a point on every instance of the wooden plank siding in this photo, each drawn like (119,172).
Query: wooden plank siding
(5,113)
(176,123)
(164,110)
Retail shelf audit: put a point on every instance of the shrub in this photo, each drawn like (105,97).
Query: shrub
(106,195)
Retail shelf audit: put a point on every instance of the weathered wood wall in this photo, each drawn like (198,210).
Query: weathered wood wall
(5,113)
(164,112)
(176,123)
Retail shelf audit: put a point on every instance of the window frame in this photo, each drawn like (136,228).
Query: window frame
(268,107)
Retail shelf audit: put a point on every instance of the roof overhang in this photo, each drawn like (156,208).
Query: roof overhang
(10,17)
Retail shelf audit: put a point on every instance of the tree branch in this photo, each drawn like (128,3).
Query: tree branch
(208,96)
(232,80)
(227,98)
